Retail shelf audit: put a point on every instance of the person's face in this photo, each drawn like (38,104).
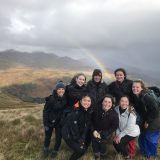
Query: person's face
(86,102)
(60,92)
(97,78)
(136,88)
(120,76)
(124,102)
(80,80)
(107,103)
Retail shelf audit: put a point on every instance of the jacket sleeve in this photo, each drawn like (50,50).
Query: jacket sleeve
(131,121)
(110,88)
(46,115)
(106,88)
(151,108)
(47,108)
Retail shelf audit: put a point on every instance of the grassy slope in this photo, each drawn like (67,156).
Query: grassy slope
(22,136)
(8,101)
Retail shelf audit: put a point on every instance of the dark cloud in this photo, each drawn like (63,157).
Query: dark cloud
(125,31)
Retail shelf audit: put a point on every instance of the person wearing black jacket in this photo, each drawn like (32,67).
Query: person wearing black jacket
(97,87)
(122,86)
(104,122)
(52,112)
(147,107)
(76,90)
(76,130)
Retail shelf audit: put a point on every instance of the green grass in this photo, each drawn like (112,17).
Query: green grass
(22,137)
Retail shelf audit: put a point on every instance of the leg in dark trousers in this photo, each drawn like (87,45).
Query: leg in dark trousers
(48,135)
(103,150)
(99,148)
(88,140)
(122,146)
(58,138)
(95,146)
(76,147)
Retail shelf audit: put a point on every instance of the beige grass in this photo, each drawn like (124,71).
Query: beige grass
(22,137)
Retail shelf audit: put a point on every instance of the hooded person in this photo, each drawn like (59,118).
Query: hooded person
(96,87)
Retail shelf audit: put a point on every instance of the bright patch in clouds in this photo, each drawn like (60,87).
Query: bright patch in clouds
(18,26)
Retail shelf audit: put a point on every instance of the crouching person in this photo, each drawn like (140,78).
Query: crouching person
(53,109)
(128,129)
(104,122)
(76,130)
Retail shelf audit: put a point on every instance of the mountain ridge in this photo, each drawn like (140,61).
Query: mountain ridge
(13,58)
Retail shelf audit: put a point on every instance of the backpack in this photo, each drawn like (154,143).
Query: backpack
(155,93)
(156,90)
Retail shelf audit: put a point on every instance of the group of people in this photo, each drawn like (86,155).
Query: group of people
(92,113)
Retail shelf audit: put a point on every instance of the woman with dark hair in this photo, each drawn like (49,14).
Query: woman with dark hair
(76,130)
(104,123)
(128,129)
(76,90)
(149,114)
(122,86)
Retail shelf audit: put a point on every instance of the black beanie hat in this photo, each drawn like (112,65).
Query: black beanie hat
(60,84)
(97,72)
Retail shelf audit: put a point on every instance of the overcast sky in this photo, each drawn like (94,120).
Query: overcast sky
(120,31)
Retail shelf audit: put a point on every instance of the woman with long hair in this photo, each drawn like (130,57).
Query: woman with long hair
(148,109)
(128,129)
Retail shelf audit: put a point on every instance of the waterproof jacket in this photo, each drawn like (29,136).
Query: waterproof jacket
(118,89)
(148,109)
(53,110)
(127,124)
(77,124)
(105,122)
(74,93)
(97,91)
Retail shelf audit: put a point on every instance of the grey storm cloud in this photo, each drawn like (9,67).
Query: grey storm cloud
(71,24)
(123,30)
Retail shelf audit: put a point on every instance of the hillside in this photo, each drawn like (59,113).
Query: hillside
(13,58)
(32,85)
(8,101)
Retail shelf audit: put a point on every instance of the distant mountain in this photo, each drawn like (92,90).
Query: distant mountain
(150,76)
(13,58)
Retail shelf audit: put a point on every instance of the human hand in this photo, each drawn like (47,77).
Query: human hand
(117,140)
(96,134)
(146,125)
(46,128)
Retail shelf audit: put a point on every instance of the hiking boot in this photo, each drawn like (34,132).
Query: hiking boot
(103,156)
(45,152)
(54,154)
(97,156)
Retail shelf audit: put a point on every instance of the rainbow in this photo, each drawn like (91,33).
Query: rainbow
(106,72)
